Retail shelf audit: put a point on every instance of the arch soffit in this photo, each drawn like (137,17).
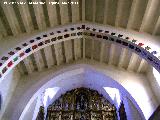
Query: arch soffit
(82,30)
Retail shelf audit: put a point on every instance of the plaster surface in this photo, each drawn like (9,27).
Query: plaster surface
(135,84)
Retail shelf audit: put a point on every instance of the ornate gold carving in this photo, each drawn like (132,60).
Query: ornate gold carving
(81,104)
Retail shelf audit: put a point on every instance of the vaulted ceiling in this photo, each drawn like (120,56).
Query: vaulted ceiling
(137,15)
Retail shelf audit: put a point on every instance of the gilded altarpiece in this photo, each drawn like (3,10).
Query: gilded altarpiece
(81,104)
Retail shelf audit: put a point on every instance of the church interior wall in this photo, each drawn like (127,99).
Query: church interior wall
(7,88)
(135,114)
(30,112)
(134,83)
(153,83)
(97,44)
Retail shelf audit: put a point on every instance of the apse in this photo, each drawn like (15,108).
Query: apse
(80,103)
(108,87)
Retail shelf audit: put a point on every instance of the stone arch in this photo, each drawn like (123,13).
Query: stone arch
(31,45)
(88,71)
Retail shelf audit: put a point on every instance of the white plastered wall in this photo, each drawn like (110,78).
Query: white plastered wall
(154,84)
(7,88)
(136,84)
(30,112)
(134,112)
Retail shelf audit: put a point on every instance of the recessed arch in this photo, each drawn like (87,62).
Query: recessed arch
(78,69)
